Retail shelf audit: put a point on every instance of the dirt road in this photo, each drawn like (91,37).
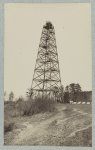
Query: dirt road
(67,126)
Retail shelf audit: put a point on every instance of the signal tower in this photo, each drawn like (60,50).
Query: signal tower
(46,78)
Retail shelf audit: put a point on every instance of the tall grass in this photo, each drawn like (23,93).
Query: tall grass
(29,107)
(25,108)
(35,106)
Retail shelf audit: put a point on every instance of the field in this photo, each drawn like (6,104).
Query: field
(67,125)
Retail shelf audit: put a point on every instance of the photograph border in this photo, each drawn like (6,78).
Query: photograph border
(2,147)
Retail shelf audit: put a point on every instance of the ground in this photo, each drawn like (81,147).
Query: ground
(68,125)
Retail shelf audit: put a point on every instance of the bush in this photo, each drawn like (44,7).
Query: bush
(8,126)
(37,105)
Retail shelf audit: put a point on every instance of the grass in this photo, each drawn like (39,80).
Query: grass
(59,123)
(20,108)
(35,106)
(82,138)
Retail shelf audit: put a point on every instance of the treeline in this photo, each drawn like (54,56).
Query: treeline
(82,96)
(73,92)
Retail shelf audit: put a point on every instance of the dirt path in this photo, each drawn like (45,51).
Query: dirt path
(54,130)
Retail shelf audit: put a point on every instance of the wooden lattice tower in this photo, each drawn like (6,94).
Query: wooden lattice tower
(46,73)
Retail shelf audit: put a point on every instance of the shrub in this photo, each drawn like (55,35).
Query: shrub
(8,126)
(37,105)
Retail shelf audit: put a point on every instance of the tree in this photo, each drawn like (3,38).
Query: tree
(61,93)
(77,87)
(73,89)
(66,97)
(5,95)
(58,93)
(20,105)
(55,92)
(30,92)
(11,96)
(67,88)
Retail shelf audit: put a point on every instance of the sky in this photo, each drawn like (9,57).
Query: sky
(22,32)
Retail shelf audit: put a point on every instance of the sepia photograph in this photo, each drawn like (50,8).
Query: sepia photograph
(47,74)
